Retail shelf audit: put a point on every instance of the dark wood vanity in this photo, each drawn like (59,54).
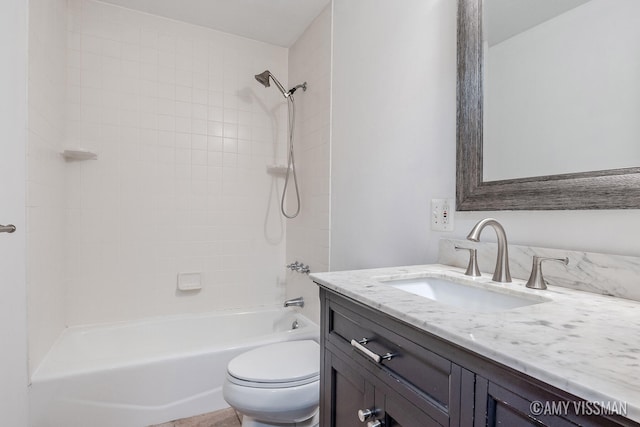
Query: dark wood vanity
(423,380)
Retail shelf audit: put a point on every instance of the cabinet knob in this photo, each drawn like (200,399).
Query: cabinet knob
(376,423)
(365,414)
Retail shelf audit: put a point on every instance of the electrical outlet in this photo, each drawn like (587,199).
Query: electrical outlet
(442,214)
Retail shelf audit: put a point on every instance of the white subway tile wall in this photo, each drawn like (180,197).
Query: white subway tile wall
(308,234)
(183,134)
(47,273)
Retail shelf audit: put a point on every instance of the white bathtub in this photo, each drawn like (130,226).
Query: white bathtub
(150,371)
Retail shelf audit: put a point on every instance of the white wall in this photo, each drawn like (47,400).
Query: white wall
(183,134)
(393,145)
(46,186)
(308,233)
(13,301)
(557,92)
(393,128)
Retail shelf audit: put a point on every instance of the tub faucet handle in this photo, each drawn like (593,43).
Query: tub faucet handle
(472,267)
(299,267)
(536,280)
(304,269)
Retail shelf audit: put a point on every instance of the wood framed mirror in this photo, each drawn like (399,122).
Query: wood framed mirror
(616,188)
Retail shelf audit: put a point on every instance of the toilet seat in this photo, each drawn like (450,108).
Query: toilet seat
(288,384)
(280,365)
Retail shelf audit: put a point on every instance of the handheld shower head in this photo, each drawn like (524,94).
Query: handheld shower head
(264,79)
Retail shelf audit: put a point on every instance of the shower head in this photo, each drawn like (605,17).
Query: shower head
(264,79)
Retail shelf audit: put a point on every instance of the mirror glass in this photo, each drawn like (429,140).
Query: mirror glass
(561,86)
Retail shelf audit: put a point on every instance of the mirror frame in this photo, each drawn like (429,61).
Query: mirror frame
(605,189)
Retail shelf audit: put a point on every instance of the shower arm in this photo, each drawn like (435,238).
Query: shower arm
(303,86)
(287,94)
(284,92)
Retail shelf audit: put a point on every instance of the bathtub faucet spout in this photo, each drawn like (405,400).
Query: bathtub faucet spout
(294,302)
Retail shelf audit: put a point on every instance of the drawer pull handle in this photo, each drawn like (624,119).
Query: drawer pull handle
(373,356)
(376,423)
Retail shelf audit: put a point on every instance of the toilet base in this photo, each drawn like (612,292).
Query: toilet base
(252,422)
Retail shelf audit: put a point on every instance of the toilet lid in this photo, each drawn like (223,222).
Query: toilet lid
(278,363)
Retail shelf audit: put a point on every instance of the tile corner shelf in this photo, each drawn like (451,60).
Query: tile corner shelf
(78,155)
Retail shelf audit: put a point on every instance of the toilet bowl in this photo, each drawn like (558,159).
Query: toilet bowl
(276,385)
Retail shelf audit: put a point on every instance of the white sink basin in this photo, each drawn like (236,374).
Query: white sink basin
(462,296)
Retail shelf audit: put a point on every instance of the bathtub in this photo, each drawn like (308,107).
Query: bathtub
(134,374)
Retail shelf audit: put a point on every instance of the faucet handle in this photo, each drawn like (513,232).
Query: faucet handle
(536,280)
(294,266)
(305,269)
(472,267)
(299,267)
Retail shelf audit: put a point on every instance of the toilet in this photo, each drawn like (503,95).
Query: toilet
(276,385)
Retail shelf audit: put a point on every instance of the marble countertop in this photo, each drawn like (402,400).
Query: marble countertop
(584,343)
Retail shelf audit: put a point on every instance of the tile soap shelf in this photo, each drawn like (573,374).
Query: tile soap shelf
(79,155)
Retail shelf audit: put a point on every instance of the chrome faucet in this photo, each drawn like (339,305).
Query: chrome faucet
(501,273)
(299,302)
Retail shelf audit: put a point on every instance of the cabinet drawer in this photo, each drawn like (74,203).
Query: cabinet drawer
(423,373)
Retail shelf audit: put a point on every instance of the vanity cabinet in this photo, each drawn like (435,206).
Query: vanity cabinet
(407,377)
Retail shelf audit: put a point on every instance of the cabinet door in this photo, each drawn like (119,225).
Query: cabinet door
(396,411)
(497,405)
(345,393)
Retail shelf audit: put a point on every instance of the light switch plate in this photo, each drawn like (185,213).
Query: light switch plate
(442,214)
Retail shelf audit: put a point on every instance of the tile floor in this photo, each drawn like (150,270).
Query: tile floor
(222,418)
